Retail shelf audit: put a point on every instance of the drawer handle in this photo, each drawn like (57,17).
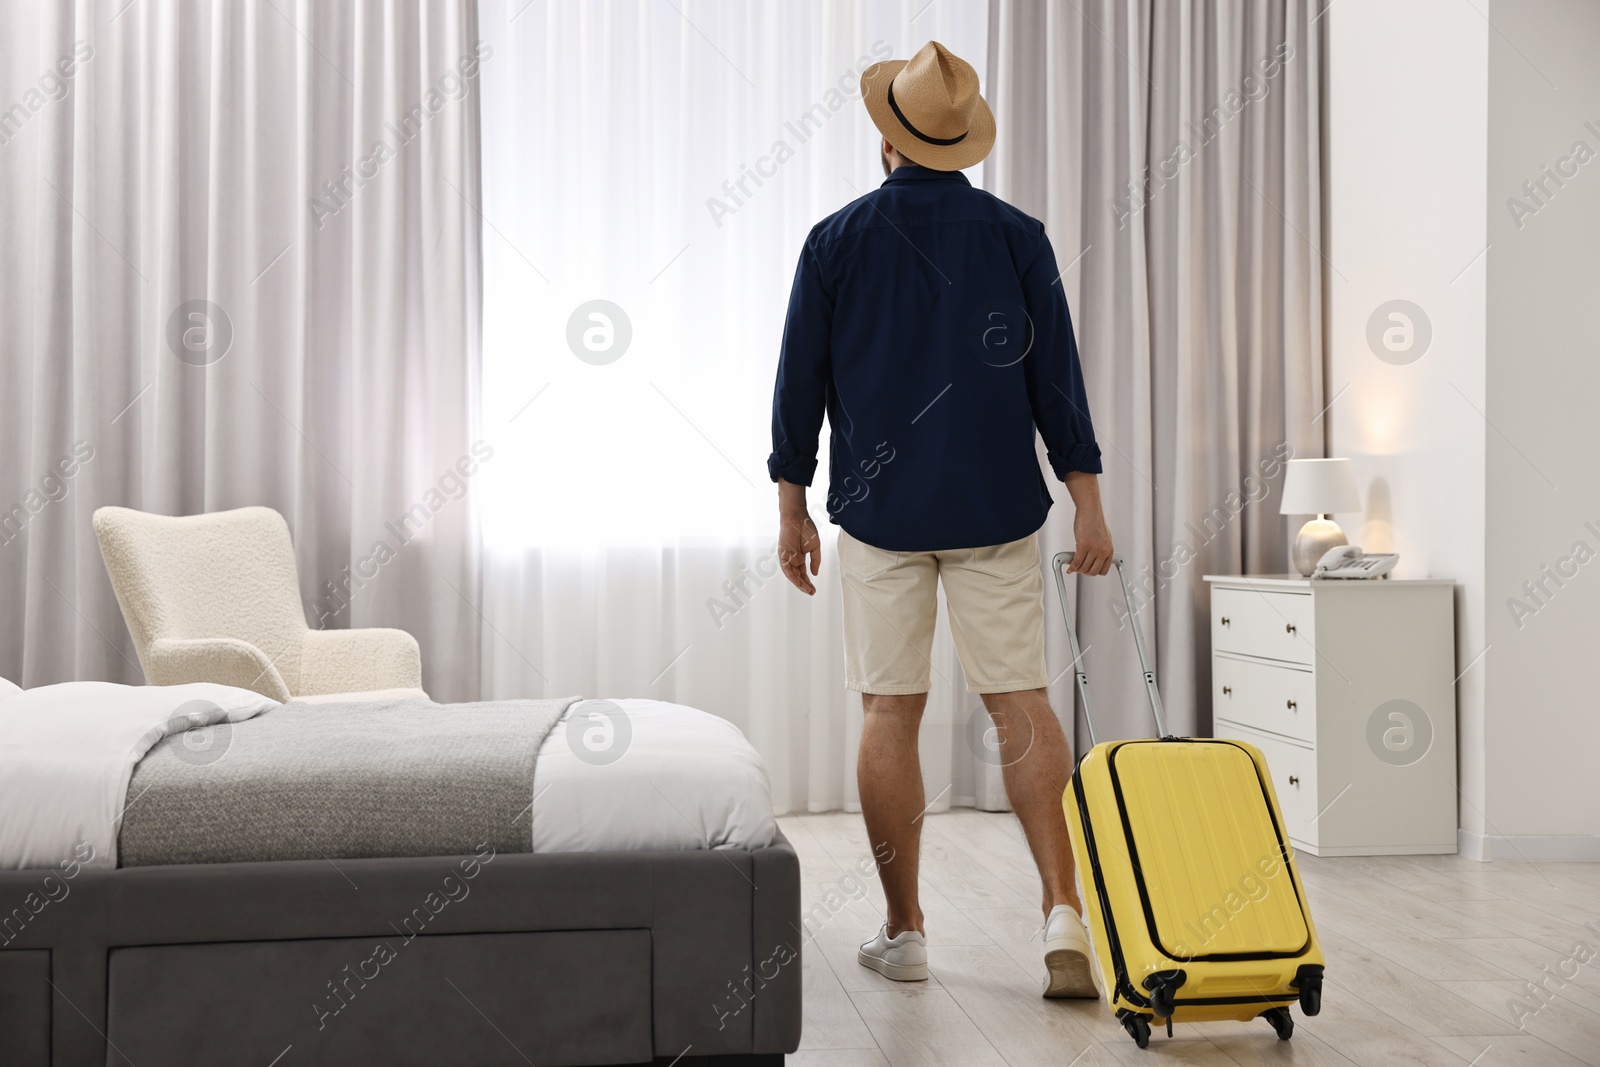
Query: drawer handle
(1291,704)
(1288,628)
(1294,779)
(1227,690)
(1225,620)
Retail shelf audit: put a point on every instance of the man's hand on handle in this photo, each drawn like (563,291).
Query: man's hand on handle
(1092,550)
(798,540)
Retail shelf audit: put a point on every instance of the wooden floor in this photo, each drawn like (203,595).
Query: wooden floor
(1424,956)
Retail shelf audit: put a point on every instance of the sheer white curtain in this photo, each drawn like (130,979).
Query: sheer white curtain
(667,159)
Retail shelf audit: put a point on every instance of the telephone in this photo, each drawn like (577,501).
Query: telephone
(1348,561)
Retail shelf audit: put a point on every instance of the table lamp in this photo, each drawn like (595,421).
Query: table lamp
(1318,487)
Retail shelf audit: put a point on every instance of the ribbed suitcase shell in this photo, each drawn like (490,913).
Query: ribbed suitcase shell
(1190,885)
(1185,868)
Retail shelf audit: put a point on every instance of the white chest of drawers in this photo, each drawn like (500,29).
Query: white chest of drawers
(1348,689)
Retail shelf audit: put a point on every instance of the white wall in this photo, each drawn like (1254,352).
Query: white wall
(1406,143)
(1544,395)
(1477,460)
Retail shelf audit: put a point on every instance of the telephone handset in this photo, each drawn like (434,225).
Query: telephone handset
(1348,561)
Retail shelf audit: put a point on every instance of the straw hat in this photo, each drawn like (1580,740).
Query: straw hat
(929,108)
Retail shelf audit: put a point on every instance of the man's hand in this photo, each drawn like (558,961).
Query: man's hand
(798,540)
(1092,549)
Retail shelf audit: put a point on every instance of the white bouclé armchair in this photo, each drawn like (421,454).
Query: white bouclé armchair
(216,598)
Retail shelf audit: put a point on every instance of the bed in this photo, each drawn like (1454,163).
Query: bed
(647,908)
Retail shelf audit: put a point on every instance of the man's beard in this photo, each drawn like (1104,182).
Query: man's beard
(885,157)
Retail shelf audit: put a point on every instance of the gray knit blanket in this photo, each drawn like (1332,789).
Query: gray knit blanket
(346,780)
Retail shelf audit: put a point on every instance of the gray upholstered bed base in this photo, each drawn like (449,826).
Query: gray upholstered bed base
(551,959)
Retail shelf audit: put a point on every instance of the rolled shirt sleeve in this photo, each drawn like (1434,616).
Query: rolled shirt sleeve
(1055,378)
(805,367)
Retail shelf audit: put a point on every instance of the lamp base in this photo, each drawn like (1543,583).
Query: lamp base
(1315,539)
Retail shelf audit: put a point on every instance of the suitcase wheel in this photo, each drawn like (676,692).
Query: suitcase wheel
(1282,1022)
(1309,982)
(1163,988)
(1138,1027)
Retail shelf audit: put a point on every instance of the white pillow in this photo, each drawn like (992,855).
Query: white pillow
(8,689)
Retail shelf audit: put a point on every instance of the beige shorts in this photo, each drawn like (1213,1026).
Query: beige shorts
(996,601)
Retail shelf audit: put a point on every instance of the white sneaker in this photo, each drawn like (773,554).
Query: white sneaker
(904,957)
(1068,957)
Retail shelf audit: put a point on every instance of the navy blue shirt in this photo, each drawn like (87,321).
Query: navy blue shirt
(929,322)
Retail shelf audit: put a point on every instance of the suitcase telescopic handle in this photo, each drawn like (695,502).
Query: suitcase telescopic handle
(1062,560)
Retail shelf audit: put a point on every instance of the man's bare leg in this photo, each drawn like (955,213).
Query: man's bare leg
(889,778)
(1037,766)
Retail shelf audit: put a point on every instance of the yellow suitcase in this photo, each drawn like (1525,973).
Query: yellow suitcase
(1190,888)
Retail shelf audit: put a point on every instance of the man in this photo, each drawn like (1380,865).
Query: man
(928,321)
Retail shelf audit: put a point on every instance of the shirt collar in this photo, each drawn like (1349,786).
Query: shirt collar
(911,172)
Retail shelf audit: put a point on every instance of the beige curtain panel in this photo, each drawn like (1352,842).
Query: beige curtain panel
(1172,150)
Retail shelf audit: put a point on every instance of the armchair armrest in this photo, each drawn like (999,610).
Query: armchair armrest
(222,660)
(351,661)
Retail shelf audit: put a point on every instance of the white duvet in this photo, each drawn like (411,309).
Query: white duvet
(613,775)
(659,776)
(67,752)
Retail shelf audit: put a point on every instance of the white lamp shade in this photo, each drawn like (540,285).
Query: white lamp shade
(1319,487)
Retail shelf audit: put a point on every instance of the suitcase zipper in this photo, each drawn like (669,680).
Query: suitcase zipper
(1119,968)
